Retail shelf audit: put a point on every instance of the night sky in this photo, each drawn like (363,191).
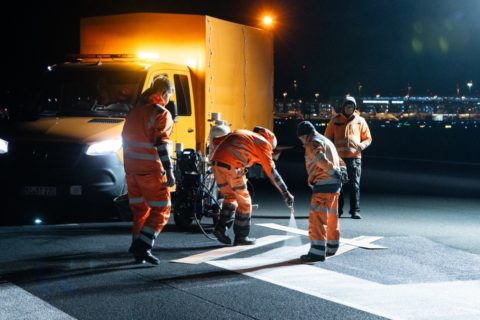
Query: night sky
(329,47)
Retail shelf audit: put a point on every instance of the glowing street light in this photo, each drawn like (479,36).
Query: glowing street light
(469,85)
(267,21)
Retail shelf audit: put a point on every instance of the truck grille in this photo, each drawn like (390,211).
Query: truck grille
(45,155)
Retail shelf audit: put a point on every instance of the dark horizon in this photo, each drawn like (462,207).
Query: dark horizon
(329,47)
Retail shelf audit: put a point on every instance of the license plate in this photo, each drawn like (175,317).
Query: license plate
(40,191)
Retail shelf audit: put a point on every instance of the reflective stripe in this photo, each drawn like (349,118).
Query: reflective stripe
(141,156)
(258,141)
(136,144)
(136,200)
(321,209)
(333,243)
(328,181)
(317,252)
(147,240)
(149,231)
(318,242)
(159,204)
(242,187)
(238,155)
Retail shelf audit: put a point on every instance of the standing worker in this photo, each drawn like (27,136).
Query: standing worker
(147,160)
(326,171)
(235,152)
(350,133)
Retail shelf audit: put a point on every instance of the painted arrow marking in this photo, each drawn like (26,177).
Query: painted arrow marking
(359,242)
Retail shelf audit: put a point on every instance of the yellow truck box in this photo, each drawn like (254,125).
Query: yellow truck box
(231,64)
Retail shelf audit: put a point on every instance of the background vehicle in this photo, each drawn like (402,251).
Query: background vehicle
(73,150)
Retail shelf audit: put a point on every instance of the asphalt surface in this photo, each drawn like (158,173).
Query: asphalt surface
(429,269)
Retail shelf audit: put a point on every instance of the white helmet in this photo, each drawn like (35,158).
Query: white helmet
(219,130)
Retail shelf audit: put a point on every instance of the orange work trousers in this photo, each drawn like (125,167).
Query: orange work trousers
(149,200)
(324,226)
(233,185)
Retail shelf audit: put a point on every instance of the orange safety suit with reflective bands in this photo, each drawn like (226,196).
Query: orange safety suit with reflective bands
(235,152)
(350,136)
(323,165)
(147,154)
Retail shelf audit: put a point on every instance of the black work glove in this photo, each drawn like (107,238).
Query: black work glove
(288,198)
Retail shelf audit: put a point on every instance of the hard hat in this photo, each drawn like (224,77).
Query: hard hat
(267,134)
(219,130)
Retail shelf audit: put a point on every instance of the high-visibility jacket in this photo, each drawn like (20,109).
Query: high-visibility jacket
(323,164)
(146,144)
(350,136)
(243,148)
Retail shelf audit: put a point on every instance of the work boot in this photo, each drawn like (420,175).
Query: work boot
(244,241)
(141,252)
(220,232)
(356,216)
(310,257)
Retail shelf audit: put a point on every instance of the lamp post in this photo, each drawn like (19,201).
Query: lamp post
(469,85)
(285,94)
(359,87)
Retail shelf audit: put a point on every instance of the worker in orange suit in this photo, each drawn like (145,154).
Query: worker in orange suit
(148,167)
(234,153)
(350,133)
(326,171)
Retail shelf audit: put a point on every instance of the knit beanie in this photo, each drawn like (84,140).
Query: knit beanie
(305,128)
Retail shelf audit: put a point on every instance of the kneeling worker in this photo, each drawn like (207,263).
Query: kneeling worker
(233,154)
(325,170)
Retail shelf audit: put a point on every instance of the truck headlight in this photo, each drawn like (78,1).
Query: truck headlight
(3,146)
(104,147)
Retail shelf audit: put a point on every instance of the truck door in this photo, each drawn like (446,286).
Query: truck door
(184,129)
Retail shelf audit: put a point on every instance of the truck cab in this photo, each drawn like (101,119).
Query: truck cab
(72,150)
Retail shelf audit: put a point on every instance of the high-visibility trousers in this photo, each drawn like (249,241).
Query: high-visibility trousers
(149,200)
(324,226)
(233,185)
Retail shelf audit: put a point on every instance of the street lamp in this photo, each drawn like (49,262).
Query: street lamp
(469,85)
(284,94)
(359,87)
(316,96)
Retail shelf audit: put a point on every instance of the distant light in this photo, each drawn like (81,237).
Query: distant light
(49,68)
(38,221)
(448,126)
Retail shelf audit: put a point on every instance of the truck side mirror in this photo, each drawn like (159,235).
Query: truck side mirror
(172,107)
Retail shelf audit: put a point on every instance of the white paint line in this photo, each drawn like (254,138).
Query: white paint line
(360,244)
(446,300)
(227,251)
(17,303)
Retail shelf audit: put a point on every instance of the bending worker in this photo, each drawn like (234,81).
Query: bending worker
(350,133)
(234,153)
(325,172)
(148,167)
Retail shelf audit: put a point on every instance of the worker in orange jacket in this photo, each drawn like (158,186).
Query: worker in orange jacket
(235,152)
(148,167)
(350,133)
(326,171)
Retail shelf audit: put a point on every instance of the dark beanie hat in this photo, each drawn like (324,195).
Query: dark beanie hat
(305,128)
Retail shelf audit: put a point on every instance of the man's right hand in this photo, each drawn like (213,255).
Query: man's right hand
(288,198)
(170,178)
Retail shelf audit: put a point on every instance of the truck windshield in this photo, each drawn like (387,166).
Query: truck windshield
(76,92)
